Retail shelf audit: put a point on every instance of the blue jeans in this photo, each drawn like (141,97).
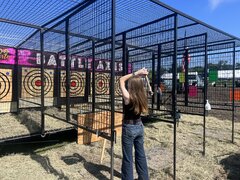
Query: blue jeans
(133,135)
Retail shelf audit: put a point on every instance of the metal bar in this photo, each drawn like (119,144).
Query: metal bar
(233,91)
(152,22)
(16,85)
(75,8)
(161,120)
(158,76)
(186,84)
(108,42)
(112,89)
(153,45)
(76,45)
(93,77)
(20,23)
(12,140)
(84,5)
(205,94)
(142,60)
(137,53)
(152,33)
(124,55)
(210,54)
(101,134)
(51,21)
(193,19)
(58,80)
(153,79)
(218,44)
(42,83)
(185,38)
(29,37)
(187,25)
(124,60)
(68,68)
(174,94)
(149,23)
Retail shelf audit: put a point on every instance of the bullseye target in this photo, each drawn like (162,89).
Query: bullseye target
(102,81)
(118,91)
(32,83)
(5,85)
(77,84)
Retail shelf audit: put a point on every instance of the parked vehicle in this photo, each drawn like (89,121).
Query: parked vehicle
(194,79)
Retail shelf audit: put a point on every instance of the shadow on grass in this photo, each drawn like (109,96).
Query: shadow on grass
(46,164)
(231,165)
(94,169)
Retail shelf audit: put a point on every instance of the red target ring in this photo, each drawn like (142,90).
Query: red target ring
(32,83)
(38,83)
(102,83)
(76,84)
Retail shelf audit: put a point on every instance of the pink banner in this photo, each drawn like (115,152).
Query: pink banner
(33,58)
(7,55)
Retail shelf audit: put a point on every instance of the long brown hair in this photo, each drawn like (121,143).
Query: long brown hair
(137,94)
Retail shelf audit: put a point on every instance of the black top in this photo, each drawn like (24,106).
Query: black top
(129,113)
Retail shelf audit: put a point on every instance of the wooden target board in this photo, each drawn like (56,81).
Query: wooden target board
(77,83)
(31,82)
(5,85)
(102,83)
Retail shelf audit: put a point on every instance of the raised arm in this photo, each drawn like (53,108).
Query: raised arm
(123,80)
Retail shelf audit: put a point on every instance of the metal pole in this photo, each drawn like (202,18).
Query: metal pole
(124,60)
(16,84)
(67,66)
(186,54)
(233,91)
(205,95)
(153,78)
(93,76)
(112,89)
(42,82)
(158,75)
(124,55)
(58,80)
(174,94)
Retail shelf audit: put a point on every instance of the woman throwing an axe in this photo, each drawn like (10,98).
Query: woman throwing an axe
(135,103)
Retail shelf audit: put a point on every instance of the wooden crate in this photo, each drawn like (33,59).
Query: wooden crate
(97,121)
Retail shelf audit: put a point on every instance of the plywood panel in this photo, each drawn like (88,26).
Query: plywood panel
(8,107)
(102,83)
(97,121)
(31,82)
(5,85)
(77,83)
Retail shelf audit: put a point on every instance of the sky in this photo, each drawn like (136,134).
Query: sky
(221,14)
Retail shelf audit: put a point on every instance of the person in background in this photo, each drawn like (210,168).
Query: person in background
(135,103)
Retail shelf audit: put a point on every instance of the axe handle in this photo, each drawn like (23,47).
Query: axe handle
(150,88)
